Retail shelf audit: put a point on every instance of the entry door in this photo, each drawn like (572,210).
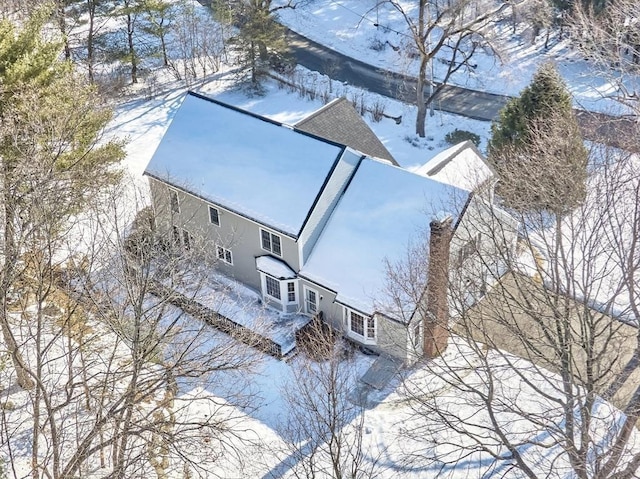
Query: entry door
(310,301)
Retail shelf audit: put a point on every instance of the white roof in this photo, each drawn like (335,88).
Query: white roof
(460,166)
(258,168)
(274,267)
(383,208)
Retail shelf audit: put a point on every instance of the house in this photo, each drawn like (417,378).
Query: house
(311,223)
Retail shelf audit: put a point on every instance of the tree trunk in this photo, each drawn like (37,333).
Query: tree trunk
(422,106)
(8,270)
(132,50)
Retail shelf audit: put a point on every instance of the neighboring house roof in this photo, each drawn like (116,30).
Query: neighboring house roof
(462,166)
(245,163)
(382,210)
(340,122)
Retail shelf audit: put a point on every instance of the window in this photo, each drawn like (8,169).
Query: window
(273,287)
(416,336)
(468,249)
(176,235)
(214,216)
(357,323)
(364,326)
(224,254)
(175,204)
(271,242)
(187,240)
(310,301)
(291,292)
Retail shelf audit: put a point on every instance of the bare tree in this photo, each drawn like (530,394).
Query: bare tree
(541,379)
(610,38)
(107,346)
(326,423)
(454,30)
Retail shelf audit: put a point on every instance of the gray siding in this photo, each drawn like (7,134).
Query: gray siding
(236,233)
(391,336)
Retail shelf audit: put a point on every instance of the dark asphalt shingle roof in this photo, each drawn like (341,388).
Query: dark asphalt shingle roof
(338,121)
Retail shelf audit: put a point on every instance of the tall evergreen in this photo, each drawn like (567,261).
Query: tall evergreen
(259,42)
(51,159)
(537,147)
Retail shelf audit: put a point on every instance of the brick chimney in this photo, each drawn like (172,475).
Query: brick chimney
(436,317)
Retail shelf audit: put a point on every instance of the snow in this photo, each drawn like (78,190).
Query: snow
(383,209)
(459,166)
(391,430)
(349,26)
(243,163)
(274,267)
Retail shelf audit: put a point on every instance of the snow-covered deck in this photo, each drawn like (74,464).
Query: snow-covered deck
(244,307)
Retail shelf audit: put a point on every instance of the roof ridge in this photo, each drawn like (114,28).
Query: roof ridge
(321,110)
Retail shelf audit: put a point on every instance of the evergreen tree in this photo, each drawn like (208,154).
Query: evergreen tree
(259,42)
(51,163)
(537,147)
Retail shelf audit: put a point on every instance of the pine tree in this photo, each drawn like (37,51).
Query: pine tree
(259,42)
(537,148)
(50,161)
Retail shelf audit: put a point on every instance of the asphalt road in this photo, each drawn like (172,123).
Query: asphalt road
(612,130)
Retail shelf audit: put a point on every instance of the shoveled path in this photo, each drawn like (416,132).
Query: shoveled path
(612,130)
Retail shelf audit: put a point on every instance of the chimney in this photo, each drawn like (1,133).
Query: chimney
(436,319)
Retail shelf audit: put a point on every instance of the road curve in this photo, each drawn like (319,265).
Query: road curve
(616,131)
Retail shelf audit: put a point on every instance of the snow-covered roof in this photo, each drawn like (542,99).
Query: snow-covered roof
(256,167)
(383,209)
(274,267)
(461,166)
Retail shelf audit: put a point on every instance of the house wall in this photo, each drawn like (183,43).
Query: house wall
(391,336)
(494,233)
(236,233)
(327,201)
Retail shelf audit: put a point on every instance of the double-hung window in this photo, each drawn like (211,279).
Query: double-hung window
(224,254)
(291,292)
(175,203)
(270,242)
(273,287)
(214,216)
(187,240)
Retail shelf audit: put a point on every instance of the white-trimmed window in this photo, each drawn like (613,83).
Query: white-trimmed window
(310,301)
(291,292)
(214,216)
(273,287)
(187,240)
(361,327)
(270,242)
(175,202)
(469,249)
(224,254)
(176,235)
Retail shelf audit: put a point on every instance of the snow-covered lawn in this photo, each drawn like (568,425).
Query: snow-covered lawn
(349,26)
(259,431)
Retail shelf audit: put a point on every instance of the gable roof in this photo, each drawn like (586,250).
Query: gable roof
(461,165)
(340,122)
(245,163)
(382,210)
